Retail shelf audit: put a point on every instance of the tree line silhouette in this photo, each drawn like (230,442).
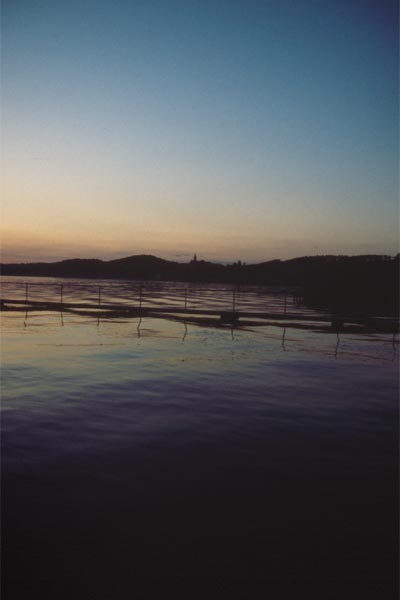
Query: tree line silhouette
(366,283)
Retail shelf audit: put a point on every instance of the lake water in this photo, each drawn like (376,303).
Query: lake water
(138,453)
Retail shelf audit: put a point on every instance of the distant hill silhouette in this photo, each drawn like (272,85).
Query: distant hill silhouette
(363,283)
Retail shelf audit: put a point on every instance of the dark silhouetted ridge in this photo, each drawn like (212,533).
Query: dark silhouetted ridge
(366,283)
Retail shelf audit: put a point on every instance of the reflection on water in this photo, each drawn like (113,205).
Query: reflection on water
(153,294)
(67,378)
(145,449)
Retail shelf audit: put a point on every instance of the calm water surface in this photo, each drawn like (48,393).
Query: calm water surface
(154,451)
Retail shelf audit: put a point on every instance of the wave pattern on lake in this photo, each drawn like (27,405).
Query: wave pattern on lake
(145,451)
(153,294)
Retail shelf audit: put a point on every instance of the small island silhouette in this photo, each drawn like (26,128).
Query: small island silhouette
(365,283)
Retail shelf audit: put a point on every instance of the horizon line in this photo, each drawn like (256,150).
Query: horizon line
(199,259)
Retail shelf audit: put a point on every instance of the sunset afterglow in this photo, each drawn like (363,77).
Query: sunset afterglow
(239,130)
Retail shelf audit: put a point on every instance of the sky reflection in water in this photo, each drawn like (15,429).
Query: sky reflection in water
(132,457)
(75,385)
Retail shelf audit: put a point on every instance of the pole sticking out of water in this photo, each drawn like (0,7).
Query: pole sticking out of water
(185,334)
(337,344)
(283,339)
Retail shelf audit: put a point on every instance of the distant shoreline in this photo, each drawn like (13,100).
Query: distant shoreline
(364,283)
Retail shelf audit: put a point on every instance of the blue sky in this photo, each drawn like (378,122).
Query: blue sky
(235,129)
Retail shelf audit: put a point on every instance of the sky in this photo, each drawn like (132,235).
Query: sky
(237,129)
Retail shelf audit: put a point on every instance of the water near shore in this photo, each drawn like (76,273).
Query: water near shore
(144,451)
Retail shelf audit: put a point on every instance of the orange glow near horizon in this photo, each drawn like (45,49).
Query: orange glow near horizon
(152,132)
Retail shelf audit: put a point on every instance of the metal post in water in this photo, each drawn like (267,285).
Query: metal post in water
(283,338)
(337,344)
